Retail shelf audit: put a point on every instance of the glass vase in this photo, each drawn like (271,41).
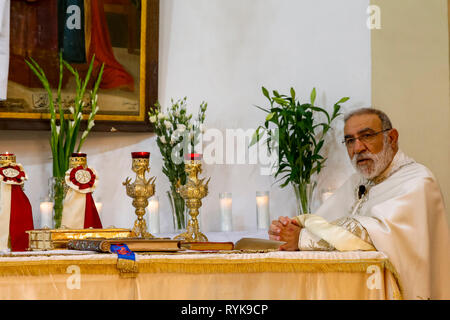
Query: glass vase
(179,211)
(304,196)
(57,186)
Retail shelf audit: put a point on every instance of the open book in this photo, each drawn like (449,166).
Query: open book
(257,244)
(208,246)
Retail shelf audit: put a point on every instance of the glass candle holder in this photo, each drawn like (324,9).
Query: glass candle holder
(140,155)
(226,212)
(46,218)
(153,214)
(326,195)
(262,210)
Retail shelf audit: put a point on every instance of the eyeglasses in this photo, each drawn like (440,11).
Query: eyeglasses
(365,138)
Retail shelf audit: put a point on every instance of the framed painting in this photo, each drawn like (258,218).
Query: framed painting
(121,34)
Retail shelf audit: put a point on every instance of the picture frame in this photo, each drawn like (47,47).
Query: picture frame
(119,110)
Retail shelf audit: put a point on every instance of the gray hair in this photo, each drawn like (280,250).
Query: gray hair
(385,121)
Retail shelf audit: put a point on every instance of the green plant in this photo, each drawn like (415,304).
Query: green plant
(178,132)
(65,126)
(298,138)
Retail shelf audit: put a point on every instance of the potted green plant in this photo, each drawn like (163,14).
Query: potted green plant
(177,132)
(298,137)
(65,124)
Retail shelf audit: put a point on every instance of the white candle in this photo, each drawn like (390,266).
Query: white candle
(153,214)
(262,210)
(46,214)
(226,203)
(326,195)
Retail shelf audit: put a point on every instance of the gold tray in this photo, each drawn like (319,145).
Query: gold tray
(52,239)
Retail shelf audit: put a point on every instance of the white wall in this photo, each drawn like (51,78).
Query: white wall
(410,80)
(222,52)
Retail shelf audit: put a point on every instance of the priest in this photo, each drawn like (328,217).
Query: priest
(391,204)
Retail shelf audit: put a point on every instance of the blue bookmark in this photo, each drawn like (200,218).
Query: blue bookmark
(126,259)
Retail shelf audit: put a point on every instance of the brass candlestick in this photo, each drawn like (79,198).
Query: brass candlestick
(193,191)
(77,159)
(7,158)
(140,190)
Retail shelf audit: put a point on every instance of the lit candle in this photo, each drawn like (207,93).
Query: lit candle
(226,201)
(153,214)
(262,210)
(326,195)
(46,214)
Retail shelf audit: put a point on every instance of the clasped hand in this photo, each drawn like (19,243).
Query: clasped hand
(287,230)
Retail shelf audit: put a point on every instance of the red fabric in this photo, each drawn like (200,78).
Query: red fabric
(21,219)
(91,218)
(114,74)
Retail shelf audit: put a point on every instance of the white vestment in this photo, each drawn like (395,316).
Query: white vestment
(4,47)
(402,215)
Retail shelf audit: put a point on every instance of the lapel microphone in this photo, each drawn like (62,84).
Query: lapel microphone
(361,191)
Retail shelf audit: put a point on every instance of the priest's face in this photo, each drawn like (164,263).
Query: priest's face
(370,148)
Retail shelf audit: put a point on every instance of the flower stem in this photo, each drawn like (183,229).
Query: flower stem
(178,208)
(58,199)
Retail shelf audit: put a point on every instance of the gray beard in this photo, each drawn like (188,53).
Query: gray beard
(379,163)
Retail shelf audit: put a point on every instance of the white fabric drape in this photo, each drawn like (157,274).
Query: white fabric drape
(73,210)
(205,276)
(5,213)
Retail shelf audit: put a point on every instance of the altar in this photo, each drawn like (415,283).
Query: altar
(188,275)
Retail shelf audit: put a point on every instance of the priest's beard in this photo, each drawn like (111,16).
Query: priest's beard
(376,163)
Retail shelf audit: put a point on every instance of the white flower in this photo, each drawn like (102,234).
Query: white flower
(58,128)
(72,110)
(91,125)
(202,128)
(168,124)
(173,139)
(153,119)
(161,116)
(181,128)
(189,126)
(162,139)
(85,133)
